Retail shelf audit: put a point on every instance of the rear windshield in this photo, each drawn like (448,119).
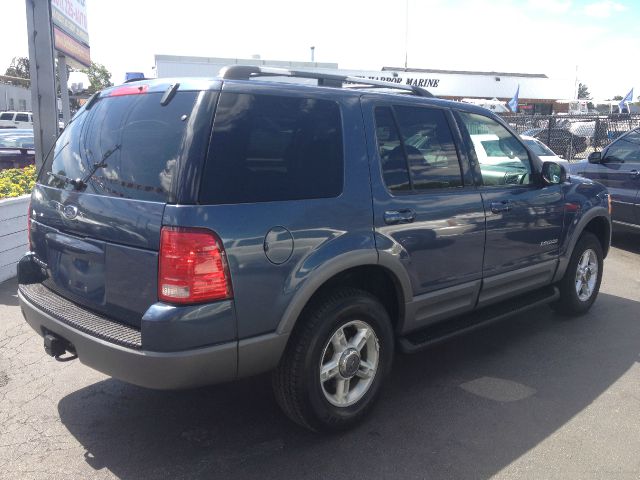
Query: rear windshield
(138,140)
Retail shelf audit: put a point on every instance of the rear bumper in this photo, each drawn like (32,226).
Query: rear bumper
(159,370)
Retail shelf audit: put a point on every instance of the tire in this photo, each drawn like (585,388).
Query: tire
(321,405)
(571,302)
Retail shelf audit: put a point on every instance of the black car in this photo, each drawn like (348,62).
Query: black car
(618,168)
(561,141)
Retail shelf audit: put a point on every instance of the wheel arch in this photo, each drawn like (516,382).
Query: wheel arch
(374,278)
(596,221)
(601,228)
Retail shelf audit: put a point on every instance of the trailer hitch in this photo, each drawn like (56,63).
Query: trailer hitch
(56,347)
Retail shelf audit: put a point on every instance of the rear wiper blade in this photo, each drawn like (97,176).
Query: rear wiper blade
(81,184)
(67,180)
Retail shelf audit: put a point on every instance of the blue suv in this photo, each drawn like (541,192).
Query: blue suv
(194,231)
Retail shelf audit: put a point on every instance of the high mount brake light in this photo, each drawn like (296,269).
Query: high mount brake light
(192,266)
(128,90)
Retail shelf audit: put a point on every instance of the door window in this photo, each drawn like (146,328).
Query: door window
(22,117)
(417,150)
(503,160)
(625,149)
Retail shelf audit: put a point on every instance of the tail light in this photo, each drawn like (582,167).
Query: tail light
(29,226)
(192,267)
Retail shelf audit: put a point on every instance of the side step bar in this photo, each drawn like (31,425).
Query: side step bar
(447,329)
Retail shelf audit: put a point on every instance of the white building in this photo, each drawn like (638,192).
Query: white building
(537,92)
(13,97)
(179,66)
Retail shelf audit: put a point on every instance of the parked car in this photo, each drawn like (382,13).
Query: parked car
(618,168)
(562,142)
(16,148)
(197,231)
(16,120)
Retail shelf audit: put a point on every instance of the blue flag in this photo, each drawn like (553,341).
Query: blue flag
(513,103)
(629,98)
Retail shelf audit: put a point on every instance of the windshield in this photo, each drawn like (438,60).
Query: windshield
(124,146)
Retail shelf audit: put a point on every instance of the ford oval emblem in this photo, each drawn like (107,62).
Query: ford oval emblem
(70,211)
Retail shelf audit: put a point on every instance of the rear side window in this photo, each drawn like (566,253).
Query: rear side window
(138,139)
(270,148)
(417,150)
(22,117)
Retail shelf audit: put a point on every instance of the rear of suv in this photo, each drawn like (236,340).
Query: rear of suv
(189,232)
(16,120)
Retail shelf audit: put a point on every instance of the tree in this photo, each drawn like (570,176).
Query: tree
(617,97)
(19,68)
(99,77)
(583,92)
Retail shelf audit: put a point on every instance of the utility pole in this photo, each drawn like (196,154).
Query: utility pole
(64,88)
(406,33)
(43,78)
(313,51)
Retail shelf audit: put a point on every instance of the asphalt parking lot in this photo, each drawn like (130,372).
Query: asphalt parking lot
(536,396)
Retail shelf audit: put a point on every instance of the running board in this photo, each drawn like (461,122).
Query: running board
(443,331)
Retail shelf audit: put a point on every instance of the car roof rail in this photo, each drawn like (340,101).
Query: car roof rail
(246,72)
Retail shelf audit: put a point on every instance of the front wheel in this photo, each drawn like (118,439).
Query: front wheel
(332,370)
(581,282)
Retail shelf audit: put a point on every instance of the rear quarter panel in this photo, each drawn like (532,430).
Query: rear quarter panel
(326,233)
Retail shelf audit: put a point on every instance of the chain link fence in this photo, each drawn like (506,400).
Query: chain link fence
(573,137)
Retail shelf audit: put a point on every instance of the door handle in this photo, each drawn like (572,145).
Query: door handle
(501,207)
(394,217)
(634,173)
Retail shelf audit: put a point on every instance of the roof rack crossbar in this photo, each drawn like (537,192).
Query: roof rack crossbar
(245,72)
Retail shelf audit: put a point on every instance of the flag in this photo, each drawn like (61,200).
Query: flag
(513,103)
(629,98)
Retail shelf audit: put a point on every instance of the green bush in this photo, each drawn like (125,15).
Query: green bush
(17,181)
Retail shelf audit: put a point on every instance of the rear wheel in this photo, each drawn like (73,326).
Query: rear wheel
(581,282)
(332,370)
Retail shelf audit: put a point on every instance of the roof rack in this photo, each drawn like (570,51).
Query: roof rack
(245,72)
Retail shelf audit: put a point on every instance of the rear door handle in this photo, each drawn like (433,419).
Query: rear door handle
(394,217)
(634,173)
(501,207)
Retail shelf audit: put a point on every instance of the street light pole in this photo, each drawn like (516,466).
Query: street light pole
(406,33)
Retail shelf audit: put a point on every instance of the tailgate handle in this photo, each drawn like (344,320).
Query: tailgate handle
(393,217)
(500,207)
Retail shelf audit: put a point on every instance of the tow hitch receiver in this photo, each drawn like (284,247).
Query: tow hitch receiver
(56,347)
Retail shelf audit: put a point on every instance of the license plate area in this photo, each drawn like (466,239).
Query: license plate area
(77,267)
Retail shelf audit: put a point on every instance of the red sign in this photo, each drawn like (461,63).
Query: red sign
(71,47)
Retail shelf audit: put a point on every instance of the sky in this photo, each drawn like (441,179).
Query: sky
(596,38)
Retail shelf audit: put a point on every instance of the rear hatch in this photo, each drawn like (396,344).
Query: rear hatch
(98,206)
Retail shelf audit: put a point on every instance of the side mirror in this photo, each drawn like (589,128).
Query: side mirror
(595,157)
(553,173)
